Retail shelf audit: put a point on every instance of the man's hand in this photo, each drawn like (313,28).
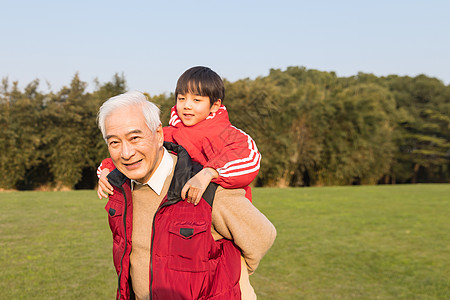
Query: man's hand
(104,187)
(196,186)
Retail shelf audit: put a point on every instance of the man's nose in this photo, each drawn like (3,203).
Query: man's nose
(127,151)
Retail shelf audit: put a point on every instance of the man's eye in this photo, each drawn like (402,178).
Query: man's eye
(113,143)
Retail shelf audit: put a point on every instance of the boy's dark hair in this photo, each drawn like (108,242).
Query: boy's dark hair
(201,81)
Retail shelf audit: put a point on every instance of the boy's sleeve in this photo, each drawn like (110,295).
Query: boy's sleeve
(168,133)
(237,161)
(107,163)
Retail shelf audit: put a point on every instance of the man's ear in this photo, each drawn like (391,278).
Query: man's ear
(160,133)
(216,105)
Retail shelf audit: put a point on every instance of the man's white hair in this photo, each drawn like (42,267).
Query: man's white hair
(132,98)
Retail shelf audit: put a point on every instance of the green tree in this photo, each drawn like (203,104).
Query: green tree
(311,127)
(21,133)
(74,143)
(423,140)
(358,144)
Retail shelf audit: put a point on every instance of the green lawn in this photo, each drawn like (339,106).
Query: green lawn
(361,242)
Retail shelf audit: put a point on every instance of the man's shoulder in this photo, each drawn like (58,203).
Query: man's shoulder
(230,192)
(228,197)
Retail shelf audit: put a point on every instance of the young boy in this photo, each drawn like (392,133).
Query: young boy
(199,122)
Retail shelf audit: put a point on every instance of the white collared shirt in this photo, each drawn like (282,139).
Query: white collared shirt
(156,182)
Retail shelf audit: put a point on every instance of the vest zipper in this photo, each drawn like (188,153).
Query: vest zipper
(124,218)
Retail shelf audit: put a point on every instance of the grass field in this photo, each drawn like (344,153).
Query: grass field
(360,242)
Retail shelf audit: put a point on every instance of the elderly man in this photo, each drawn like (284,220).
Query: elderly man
(164,247)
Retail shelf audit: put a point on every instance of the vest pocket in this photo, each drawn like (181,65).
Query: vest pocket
(188,244)
(114,208)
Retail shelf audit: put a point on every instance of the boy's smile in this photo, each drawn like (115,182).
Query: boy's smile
(193,109)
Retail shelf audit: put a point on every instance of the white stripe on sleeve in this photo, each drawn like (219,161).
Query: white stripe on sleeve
(240,166)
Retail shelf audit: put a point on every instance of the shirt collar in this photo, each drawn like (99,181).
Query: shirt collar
(156,182)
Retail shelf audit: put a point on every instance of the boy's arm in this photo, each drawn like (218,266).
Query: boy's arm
(238,161)
(107,163)
(194,188)
(235,218)
(104,187)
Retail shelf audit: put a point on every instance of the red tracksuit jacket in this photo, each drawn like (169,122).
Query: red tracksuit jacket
(214,143)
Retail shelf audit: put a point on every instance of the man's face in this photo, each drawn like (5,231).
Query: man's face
(134,148)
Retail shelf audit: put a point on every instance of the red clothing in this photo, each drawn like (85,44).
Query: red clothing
(214,143)
(185,261)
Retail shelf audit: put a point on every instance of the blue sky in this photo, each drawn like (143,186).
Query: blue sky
(153,42)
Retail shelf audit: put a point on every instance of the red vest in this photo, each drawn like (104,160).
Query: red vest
(185,261)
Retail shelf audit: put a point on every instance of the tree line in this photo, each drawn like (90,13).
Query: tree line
(312,128)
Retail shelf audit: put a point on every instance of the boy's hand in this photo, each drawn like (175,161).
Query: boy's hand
(104,187)
(196,186)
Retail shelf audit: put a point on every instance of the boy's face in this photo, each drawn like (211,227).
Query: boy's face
(193,109)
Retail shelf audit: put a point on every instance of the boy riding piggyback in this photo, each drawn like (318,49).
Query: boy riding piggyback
(199,122)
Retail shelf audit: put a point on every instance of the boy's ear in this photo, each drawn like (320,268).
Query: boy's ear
(216,105)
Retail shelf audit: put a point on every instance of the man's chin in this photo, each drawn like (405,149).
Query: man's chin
(132,174)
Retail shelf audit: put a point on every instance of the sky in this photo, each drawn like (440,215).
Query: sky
(153,42)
